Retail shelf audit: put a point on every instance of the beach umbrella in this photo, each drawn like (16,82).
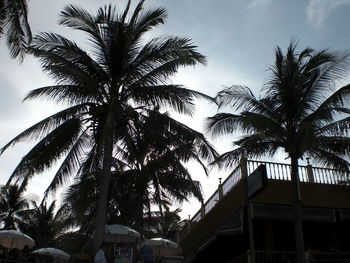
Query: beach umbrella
(15,239)
(53,252)
(162,246)
(120,234)
(158,241)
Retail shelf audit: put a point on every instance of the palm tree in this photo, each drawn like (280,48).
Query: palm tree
(165,224)
(14,25)
(13,205)
(301,112)
(152,173)
(43,224)
(154,163)
(122,77)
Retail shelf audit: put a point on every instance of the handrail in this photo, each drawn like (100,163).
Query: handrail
(275,171)
(273,256)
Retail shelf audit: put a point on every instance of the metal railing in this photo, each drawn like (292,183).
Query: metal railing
(290,257)
(275,257)
(281,171)
(275,171)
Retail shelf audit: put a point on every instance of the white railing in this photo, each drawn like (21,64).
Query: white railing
(232,180)
(275,171)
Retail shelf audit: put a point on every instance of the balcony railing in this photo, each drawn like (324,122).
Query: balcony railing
(290,257)
(275,171)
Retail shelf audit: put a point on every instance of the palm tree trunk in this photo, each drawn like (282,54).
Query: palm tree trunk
(139,222)
(298,229)
(107,152)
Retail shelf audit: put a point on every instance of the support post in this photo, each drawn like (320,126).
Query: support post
(251,232)
(249,256)
(202,210)
(244,167)
(220,190)
(310,172)
(189,224)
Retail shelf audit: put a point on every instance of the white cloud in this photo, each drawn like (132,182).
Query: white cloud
(318,10)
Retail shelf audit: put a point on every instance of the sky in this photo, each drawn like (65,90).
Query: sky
(238,37)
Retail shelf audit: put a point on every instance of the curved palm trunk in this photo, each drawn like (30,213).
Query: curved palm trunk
(100,220)
(139,221)
(298,229)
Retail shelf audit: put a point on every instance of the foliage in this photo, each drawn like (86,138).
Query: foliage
(301,111)
(14,25)
(43,224)
(13,205)
(164,224)
(108,90)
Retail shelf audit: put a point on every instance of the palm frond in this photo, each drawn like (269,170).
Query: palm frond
(44,127)
(17,28)
(71,163)
(48,150)
(78,18)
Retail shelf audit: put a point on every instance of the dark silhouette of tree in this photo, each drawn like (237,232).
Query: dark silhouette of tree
(13,205)
(105,90)
(14,26)
(43,224)
(165,224)
(152,173)
(301,111)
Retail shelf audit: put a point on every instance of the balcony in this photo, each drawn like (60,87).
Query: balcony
(275,171)
(289,257)
(224,216)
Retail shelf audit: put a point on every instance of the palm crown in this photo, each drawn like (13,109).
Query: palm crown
(301,110)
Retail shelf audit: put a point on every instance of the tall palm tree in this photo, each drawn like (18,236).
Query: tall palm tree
(105,89)
(14,25)
(13,205)
(301,111)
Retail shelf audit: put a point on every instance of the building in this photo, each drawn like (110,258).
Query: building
(233,228)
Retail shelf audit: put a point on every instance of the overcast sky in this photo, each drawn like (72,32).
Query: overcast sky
(237,36)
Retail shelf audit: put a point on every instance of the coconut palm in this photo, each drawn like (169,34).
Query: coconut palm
(154,162)
(152,173)
(14,25)
(105,89)
(13,205)
(301,111)
(165,224)
(43,224)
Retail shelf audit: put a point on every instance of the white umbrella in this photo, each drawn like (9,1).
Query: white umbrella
(15,239)
(158,241)
(162,246)
(53,252)
(121,234)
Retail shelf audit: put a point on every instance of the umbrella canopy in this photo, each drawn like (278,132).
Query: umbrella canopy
(15,239)
(158,241)
(162,246)
(53,252)
(121,234)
